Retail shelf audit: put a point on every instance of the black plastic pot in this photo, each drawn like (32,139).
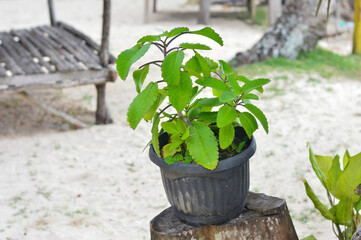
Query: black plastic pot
(200,196)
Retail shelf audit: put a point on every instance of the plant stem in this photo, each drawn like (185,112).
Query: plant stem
(175,38)
(184,118)
(219,75)
(164,109)
(153,62)
(175,48)
(158,45)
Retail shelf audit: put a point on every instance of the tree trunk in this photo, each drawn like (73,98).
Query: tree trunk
(357,29)
(296,30)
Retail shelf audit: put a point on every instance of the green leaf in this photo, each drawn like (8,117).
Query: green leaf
(311,237)
(226,136)
(225,116)
(193,67)
(204,65)
(195,46)
(317,203)
(357,205)
(176,31)
(208,117)
(227,96)
(209,33)
(154,107)
(213,66)
(202,145)
(246,80)
(155,134)
(170,127)
(128,57)
(250,96)
(181,126)
(249,86)
(342,211)
(141,104)
(225,68)
(149,38)
(346,158)
(171,67)
(139,77)
(333,176)
(210,102)
(181,94)
(248,123)
(170,159)
(350,178)
(213,83)
(186,134)
(259,115)
(234,84)
(316,168)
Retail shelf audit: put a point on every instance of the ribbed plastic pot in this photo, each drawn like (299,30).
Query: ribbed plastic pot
(200,196)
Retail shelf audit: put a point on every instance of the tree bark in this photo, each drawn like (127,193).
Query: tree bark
(295,31)
(264,217)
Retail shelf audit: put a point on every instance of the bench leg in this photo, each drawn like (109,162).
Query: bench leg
(102,114)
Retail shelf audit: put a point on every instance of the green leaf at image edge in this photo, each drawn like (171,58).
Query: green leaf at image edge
(311,237)
(202,145)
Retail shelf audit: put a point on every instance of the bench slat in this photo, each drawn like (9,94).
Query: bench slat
(22,57)
(32,49)
(10,63)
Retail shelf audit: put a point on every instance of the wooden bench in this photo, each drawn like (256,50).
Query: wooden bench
(204,10)
(57,56)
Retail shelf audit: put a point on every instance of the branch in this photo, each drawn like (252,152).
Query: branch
(153,62)
(159,46)
(167,44)
(164,109)
(175,48)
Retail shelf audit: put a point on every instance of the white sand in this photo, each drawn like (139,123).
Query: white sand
(97,184)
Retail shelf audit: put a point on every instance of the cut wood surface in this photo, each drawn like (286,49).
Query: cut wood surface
(264,217)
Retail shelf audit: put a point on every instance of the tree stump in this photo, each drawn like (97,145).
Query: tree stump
(264,217)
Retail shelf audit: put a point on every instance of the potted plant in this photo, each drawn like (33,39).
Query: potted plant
(201,143)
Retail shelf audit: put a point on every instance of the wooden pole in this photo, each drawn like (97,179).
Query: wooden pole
(154,6)
(51,12)
(67,118)
(357,30)
(102,114)
(253,10)
(146,11)
(274,10)
(204,11)
(104,47)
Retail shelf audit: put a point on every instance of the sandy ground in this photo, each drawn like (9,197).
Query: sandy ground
(96,183)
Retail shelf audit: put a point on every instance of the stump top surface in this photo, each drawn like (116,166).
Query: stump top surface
(257,205)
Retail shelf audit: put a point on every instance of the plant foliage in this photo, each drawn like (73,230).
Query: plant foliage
(343,187)
(198,127)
